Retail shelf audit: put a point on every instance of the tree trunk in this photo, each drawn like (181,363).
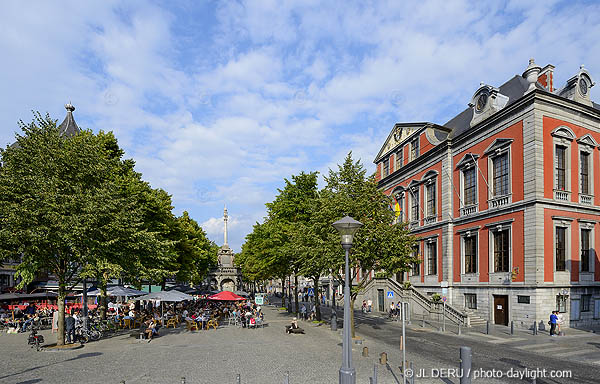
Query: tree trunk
(317,301)
(62,295)
(102,299)
(296,292)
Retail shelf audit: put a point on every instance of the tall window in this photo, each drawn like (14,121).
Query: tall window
(414,209)
(501,175)
(470,244)
(501,251)
(432,258)
(431,199)
(584,174)
(561,249)
(469,192)
(585,250)
(585,302)
(416,268)
(414,148)
(399,158)
(386,167)
(561,167)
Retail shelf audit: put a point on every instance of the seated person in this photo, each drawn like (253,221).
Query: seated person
(293,328)
(152,329)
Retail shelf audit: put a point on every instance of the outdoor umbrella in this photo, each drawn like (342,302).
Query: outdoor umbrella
(241,293)
(116,291)
(226,296)
(166,296)
(9,296)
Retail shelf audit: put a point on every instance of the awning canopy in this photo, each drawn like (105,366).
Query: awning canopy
(226,296)
(166,296)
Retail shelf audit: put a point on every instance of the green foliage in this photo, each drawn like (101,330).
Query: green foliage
(436,298)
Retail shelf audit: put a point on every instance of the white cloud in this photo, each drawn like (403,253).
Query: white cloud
(218,107)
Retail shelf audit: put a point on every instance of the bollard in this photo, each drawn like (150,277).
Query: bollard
(412,377)
(512,327)
(286,378)
(534,328)
(401,342)
(383,358)
(459,332)
(487,327)
(333,321)
(374,378)
(423,322)
(466,359)
(238,379)
(365,352)
(183,380)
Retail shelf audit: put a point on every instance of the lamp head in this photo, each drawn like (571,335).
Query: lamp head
(347,227)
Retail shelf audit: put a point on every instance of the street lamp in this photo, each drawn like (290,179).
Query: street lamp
(347,227)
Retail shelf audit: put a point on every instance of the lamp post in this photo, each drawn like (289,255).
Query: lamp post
(347,227)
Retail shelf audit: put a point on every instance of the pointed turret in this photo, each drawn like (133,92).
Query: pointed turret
(68,127)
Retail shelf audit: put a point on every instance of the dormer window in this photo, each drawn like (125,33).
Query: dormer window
(486,101)
(578,87)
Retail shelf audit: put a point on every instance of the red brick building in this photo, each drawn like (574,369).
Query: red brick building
(503,200)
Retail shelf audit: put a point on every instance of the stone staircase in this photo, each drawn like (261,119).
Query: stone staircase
(474,319)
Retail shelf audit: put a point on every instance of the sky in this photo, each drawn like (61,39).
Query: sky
(219,102)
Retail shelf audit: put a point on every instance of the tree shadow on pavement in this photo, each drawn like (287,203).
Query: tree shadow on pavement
(80,356)
(32,381)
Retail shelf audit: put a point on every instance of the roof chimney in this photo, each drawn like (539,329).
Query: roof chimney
(546,77)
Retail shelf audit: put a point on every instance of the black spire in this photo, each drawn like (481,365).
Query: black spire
(68,127)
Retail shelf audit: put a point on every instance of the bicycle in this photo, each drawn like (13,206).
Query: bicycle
(35,340)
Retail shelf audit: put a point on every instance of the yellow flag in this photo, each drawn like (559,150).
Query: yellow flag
(397,209)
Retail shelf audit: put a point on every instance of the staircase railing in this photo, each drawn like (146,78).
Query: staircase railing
(431,306)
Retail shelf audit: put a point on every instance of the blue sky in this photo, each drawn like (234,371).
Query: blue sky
(218,102)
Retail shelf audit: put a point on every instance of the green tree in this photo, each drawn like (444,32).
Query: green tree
(65,206)
(378,245)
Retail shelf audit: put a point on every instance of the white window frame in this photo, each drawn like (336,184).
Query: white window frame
(399,158)
(466,164)
(584,225)
(414,191)
(428,242)
(463,237)
(562,223)
(418,148)
(494,228)
(562,136)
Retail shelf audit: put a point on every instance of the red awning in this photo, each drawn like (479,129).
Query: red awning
(226,296)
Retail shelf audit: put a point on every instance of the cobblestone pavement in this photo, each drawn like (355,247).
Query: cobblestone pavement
(260,356)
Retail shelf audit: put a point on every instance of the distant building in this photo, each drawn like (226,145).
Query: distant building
(505,201)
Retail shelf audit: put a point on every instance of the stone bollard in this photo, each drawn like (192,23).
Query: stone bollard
(365,352)
(512,327)
(383,358)
(333,321)
(238,379)
(182,380)
(286,379)
(459,332)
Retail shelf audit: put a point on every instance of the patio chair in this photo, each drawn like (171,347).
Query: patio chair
(172,322)
(212,323)
(191,325)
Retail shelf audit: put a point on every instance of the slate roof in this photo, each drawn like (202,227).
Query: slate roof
(68,127)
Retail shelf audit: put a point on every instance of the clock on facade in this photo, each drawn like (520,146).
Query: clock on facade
(583,87)
(481,102)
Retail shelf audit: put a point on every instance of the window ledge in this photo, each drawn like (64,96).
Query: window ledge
(430,219)
(562,195)
(468,210)
(499,201)
(586,199)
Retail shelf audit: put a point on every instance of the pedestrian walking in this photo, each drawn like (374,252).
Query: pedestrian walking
(364,306)
(552,322)
(70,328)
(369,305)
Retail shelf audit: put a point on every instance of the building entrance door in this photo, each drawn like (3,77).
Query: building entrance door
(381,300)
(501,309)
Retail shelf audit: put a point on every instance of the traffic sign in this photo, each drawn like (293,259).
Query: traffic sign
(444,298)
(311,291)
(258,299)
(390,294)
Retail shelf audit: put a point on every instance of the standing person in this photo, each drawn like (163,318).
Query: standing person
(70,327)
(303,311)
(392,309)
(553,321)
(559,323)
(369,305)
(364,306)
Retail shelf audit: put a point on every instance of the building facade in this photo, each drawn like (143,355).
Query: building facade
(502,199)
